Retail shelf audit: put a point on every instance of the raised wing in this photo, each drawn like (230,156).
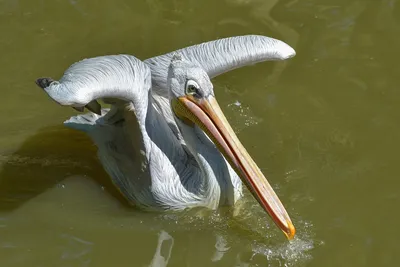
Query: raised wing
(220,56)
(119,77)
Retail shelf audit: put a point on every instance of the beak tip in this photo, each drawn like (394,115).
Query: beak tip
(291,231)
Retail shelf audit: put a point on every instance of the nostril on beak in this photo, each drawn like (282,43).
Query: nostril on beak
(44,82)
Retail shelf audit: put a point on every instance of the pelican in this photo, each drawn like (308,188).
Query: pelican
(164,141)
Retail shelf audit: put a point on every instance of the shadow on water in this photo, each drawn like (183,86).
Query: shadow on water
(46,159)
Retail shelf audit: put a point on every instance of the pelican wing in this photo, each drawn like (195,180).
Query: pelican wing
(119,133)
(122,77)
(220,56)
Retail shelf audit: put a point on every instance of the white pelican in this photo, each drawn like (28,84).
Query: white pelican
(165,141)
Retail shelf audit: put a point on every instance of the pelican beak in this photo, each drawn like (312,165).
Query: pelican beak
(207,114)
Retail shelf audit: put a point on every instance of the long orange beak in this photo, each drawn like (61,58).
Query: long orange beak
(207,114)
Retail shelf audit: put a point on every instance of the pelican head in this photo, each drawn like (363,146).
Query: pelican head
(193,103)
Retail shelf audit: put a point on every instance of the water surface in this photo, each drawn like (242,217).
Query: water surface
(323,127)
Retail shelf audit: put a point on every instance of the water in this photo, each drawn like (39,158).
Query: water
(323,127)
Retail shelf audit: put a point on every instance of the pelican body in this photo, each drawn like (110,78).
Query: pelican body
(165,142)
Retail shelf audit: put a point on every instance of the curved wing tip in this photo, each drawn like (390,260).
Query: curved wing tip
(286,52)
(279,49)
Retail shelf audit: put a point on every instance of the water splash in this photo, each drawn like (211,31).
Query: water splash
(243,116)
(250,234)
(293,253)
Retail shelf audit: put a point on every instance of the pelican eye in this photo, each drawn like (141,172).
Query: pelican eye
(192,88)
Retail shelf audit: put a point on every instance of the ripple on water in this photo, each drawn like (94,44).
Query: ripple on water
(250,236)
(77,234)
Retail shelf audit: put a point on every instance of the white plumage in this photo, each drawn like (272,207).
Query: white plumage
(155,159)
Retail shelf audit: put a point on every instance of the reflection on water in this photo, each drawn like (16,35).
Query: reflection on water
(76,218)
(76,221)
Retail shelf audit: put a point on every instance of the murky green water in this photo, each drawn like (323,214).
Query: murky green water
(323,127)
